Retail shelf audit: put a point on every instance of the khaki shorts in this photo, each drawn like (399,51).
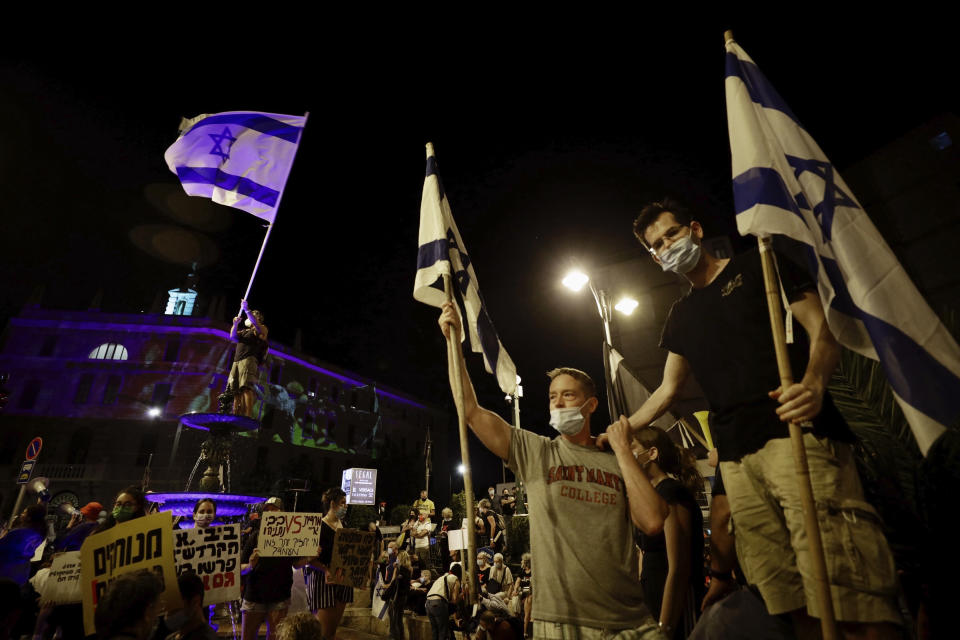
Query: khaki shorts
(772,542)
(244,374)
(543,630)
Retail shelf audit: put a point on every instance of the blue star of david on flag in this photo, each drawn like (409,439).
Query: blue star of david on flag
(218,143)
(783,183)
(248,164)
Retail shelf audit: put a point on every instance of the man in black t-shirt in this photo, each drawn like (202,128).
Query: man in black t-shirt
(247,359)
(720,332)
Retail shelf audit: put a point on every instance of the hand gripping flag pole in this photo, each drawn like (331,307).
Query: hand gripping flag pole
(240,159)
(771,282)
(442,261)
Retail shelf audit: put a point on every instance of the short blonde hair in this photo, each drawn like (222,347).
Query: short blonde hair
(299,626)
(447,512)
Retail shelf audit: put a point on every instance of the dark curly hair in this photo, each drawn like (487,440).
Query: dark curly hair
(331,495)
(650,213)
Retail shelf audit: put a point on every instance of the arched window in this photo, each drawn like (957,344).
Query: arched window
(109,351)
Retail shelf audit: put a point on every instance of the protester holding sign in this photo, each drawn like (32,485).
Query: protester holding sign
(327,600)
(130,503)
(204,512)
(213,554)
(19,544)
(266,596)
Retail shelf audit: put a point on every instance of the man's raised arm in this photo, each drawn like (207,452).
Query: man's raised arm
(490,428)
(675,371)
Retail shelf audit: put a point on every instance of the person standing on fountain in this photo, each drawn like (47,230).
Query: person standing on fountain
(247,360)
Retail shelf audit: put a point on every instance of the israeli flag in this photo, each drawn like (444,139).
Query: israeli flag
(237,158)
(784,184)
(442,252)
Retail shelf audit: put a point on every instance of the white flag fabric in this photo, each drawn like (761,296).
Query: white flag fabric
(442,252)
(237,158)
(784,184)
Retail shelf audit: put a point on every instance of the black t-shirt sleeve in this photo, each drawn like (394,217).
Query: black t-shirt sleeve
(249,547)
(795,278)
(668,338)
(327,534)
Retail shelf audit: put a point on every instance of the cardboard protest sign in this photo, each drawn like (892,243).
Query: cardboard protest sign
(214,555)
(62,585)
(288,534)
(141,543)
(352,551)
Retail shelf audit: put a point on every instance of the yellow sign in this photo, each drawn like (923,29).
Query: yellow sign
(142,543)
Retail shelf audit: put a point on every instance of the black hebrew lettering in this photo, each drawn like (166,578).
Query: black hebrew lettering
(188,553)
(184,539)
(221,548)
(233,547)
(141,542)
(231,564)
(222,564)
(99,561)
(154,543)
(207,567)
(230,533)
(120,546)
(211,535)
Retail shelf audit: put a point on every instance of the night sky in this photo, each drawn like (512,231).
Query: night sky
(548,146)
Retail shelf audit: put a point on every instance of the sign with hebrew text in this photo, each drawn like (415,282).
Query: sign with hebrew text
(213,554)
(286,534)
(352,555)
(141,543)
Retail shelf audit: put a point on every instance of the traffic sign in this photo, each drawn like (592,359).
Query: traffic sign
(33,449)
(26,471)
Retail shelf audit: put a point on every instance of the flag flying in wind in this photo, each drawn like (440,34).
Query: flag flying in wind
(237,158)
(442,252)
(784,184)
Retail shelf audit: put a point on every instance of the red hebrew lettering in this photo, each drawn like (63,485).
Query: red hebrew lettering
(228,579)
(217,580)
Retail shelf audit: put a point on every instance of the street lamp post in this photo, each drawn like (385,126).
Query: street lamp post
(575,281)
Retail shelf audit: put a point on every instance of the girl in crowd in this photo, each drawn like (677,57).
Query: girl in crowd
(204,513)
(400,574)
(523,588)
(672,566)
(328,600)
(130,503)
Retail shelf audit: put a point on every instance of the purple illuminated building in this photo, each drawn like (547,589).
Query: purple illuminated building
(105,391)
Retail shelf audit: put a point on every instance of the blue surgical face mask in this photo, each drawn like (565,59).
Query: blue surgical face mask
(681,256)
(568,421)
(342,513)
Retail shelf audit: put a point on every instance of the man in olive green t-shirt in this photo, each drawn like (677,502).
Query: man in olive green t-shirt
(584,503)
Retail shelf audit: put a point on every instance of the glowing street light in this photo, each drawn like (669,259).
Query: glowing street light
(461,469)
(626,305)
(575,280)
(154,412)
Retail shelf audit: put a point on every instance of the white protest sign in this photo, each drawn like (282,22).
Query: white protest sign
(214,555)
(62,585)
(457,539)
(288,534)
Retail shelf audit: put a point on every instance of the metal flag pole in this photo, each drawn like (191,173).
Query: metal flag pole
(276,208)
(427,450)
(455,363)
(828,623)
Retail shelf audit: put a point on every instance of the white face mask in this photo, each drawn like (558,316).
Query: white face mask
(203,519)
(682,256)
(568,421)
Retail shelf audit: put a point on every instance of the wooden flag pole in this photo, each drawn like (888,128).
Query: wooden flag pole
(455,364)
(828,623)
